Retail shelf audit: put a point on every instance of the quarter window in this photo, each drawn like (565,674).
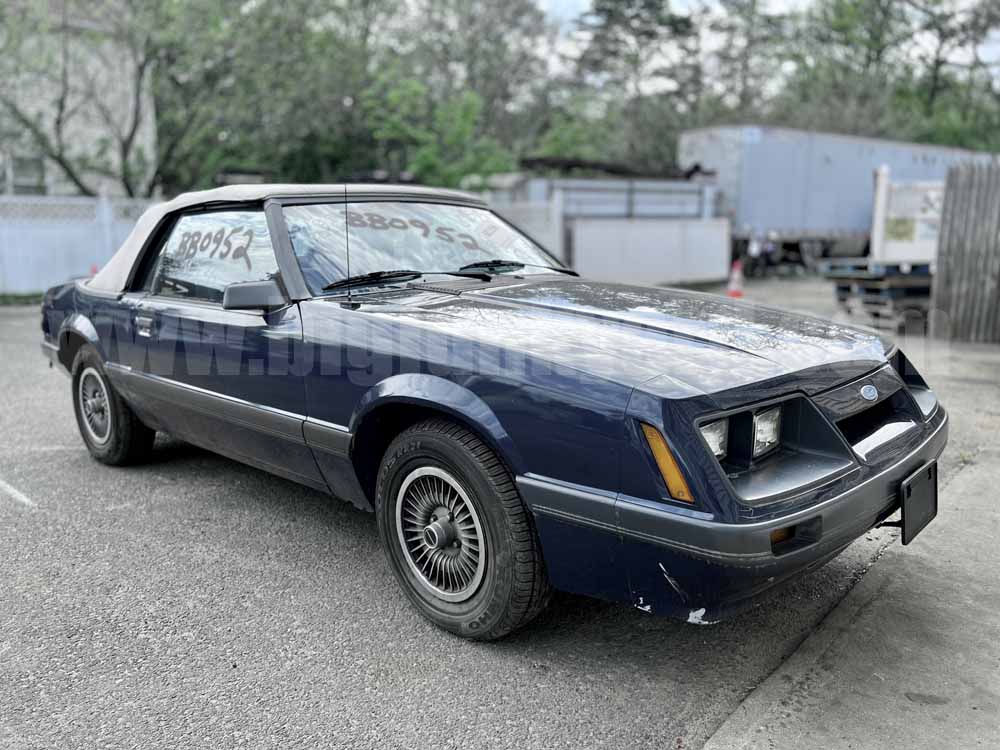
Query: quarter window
(207,252)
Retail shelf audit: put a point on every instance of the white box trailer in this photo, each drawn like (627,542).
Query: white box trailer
(797,186)
(892,286)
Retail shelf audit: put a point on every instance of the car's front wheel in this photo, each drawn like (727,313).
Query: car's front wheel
(111,431)
(458,537)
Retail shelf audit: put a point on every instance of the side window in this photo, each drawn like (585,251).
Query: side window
(207,252)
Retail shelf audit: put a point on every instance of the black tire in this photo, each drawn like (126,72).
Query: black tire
(119,439)
(512,588)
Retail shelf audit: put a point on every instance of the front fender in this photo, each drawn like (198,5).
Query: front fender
(433,392)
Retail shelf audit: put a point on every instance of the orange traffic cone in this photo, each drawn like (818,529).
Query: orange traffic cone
(735,286)
(93,269)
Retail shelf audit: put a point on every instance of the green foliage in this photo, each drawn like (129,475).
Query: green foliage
(574,133)
(452,149)
(20,299)
(439,143)
(436,90)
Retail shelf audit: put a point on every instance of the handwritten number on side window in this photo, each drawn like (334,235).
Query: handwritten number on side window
(241,252)
(221,243)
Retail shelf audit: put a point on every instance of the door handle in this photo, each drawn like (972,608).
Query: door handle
(143,326)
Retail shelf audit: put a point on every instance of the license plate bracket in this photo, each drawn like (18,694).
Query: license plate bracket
(918,500)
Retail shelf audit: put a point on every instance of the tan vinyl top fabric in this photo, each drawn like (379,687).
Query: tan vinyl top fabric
(114,275)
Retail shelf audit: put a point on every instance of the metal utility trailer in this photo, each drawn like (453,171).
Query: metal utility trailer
(893,297)
(811,192)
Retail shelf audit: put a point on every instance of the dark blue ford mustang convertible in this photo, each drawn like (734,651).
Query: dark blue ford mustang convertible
(514,427)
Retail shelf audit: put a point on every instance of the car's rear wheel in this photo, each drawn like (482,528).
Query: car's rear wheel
(111,431)
(457,534)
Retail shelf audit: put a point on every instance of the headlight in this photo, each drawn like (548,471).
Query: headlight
(766,430)
(716,435)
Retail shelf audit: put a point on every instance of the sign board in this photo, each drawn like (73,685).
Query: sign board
(906,220)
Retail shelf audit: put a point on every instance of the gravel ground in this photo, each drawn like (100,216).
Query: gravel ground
(196,602)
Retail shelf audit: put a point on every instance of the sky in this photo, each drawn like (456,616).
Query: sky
(564,12)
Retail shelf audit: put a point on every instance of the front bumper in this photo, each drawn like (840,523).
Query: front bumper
(51,352)
(683,564)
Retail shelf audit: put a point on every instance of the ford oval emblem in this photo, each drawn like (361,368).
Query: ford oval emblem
(869,392)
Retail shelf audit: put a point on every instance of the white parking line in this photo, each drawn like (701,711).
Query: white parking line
(16,495)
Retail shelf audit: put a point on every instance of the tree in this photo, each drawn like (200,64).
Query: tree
(492,48)
(908,69)
(323,90)
(846,57)
(749,55)
(635,51)
(951,30)
(76,82)
(438,143)
(581,128)
(626,39)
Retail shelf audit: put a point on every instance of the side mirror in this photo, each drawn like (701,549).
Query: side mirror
(254,295)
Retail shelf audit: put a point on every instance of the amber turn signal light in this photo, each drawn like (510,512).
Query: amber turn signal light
(665,461)
(781,535)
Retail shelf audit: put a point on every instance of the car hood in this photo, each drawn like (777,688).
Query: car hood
(683,343)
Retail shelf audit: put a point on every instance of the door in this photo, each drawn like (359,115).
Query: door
(223,379)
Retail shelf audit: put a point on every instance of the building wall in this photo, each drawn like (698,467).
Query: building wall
(99,86)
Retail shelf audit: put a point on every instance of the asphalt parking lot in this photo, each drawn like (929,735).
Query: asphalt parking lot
(195,602)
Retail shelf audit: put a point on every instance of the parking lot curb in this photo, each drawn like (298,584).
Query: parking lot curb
(773,707)
(771,701)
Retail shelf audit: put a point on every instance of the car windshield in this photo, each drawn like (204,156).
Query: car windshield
(386,236)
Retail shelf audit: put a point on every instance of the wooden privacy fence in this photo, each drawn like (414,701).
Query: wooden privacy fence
(966,292)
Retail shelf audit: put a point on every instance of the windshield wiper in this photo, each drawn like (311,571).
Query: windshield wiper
(514,265)
(400,275)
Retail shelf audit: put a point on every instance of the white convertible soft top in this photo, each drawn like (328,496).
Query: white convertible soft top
(114,276)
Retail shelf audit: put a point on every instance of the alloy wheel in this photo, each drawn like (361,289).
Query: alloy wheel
(95,406)
(440,534)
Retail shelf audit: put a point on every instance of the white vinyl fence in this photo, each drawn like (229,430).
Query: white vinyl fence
(652,251)
(543,221)
(638,249)
(47,240)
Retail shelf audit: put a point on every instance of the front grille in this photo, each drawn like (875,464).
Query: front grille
(871,427)
(880,424)
(863,424)
(845,400)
